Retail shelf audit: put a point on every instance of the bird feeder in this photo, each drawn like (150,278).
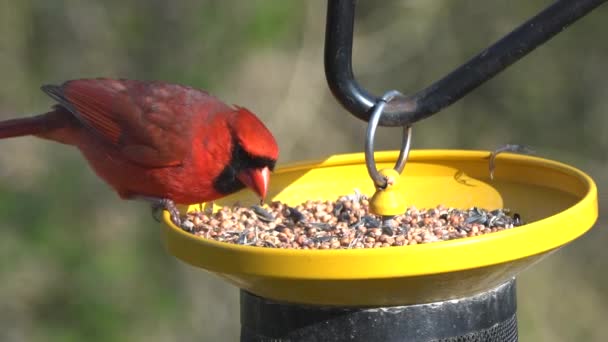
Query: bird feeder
(456,290)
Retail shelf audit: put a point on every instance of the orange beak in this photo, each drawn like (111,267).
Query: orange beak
(256,179)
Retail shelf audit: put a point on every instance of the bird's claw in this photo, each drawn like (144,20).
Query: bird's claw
(166,204)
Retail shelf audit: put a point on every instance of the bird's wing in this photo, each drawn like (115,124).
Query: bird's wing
(136,117)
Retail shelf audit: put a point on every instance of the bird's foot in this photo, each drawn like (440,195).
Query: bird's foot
(166,204)
(160,204)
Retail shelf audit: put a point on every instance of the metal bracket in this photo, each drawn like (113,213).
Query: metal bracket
(405,110)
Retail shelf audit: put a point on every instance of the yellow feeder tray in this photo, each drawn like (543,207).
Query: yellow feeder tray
(558,202)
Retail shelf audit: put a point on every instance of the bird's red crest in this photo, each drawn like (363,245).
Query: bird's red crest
(253,135)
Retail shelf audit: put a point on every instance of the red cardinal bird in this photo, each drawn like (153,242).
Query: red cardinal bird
(164,143)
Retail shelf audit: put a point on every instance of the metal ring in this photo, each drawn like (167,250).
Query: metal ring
(378,179)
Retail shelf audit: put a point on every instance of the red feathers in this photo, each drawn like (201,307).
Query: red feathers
(252,134)
(156,139)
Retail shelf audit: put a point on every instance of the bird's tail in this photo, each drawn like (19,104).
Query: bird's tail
(42,126)
(22,126)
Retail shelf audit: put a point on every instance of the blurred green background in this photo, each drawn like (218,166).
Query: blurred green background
(78,264)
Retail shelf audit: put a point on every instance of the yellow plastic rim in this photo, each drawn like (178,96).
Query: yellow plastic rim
(559,201)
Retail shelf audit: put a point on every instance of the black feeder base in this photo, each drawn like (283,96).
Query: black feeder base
(488,316)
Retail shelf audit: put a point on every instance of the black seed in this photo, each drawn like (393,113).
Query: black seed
(338,208)
(243,237)
(388,230)
(470,219)
(321,225)
(294,214)
(465,228)
(321,239)
(344,216)
(356,224)
(481,219)
(370,222)
(499,223)
(517,220)
(262,213)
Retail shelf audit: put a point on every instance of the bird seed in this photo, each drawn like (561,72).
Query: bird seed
(343,224)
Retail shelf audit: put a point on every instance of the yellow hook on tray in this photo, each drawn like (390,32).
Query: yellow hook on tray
(388,201)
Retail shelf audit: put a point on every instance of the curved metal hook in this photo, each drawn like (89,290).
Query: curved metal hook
(405,110)
(380,181)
